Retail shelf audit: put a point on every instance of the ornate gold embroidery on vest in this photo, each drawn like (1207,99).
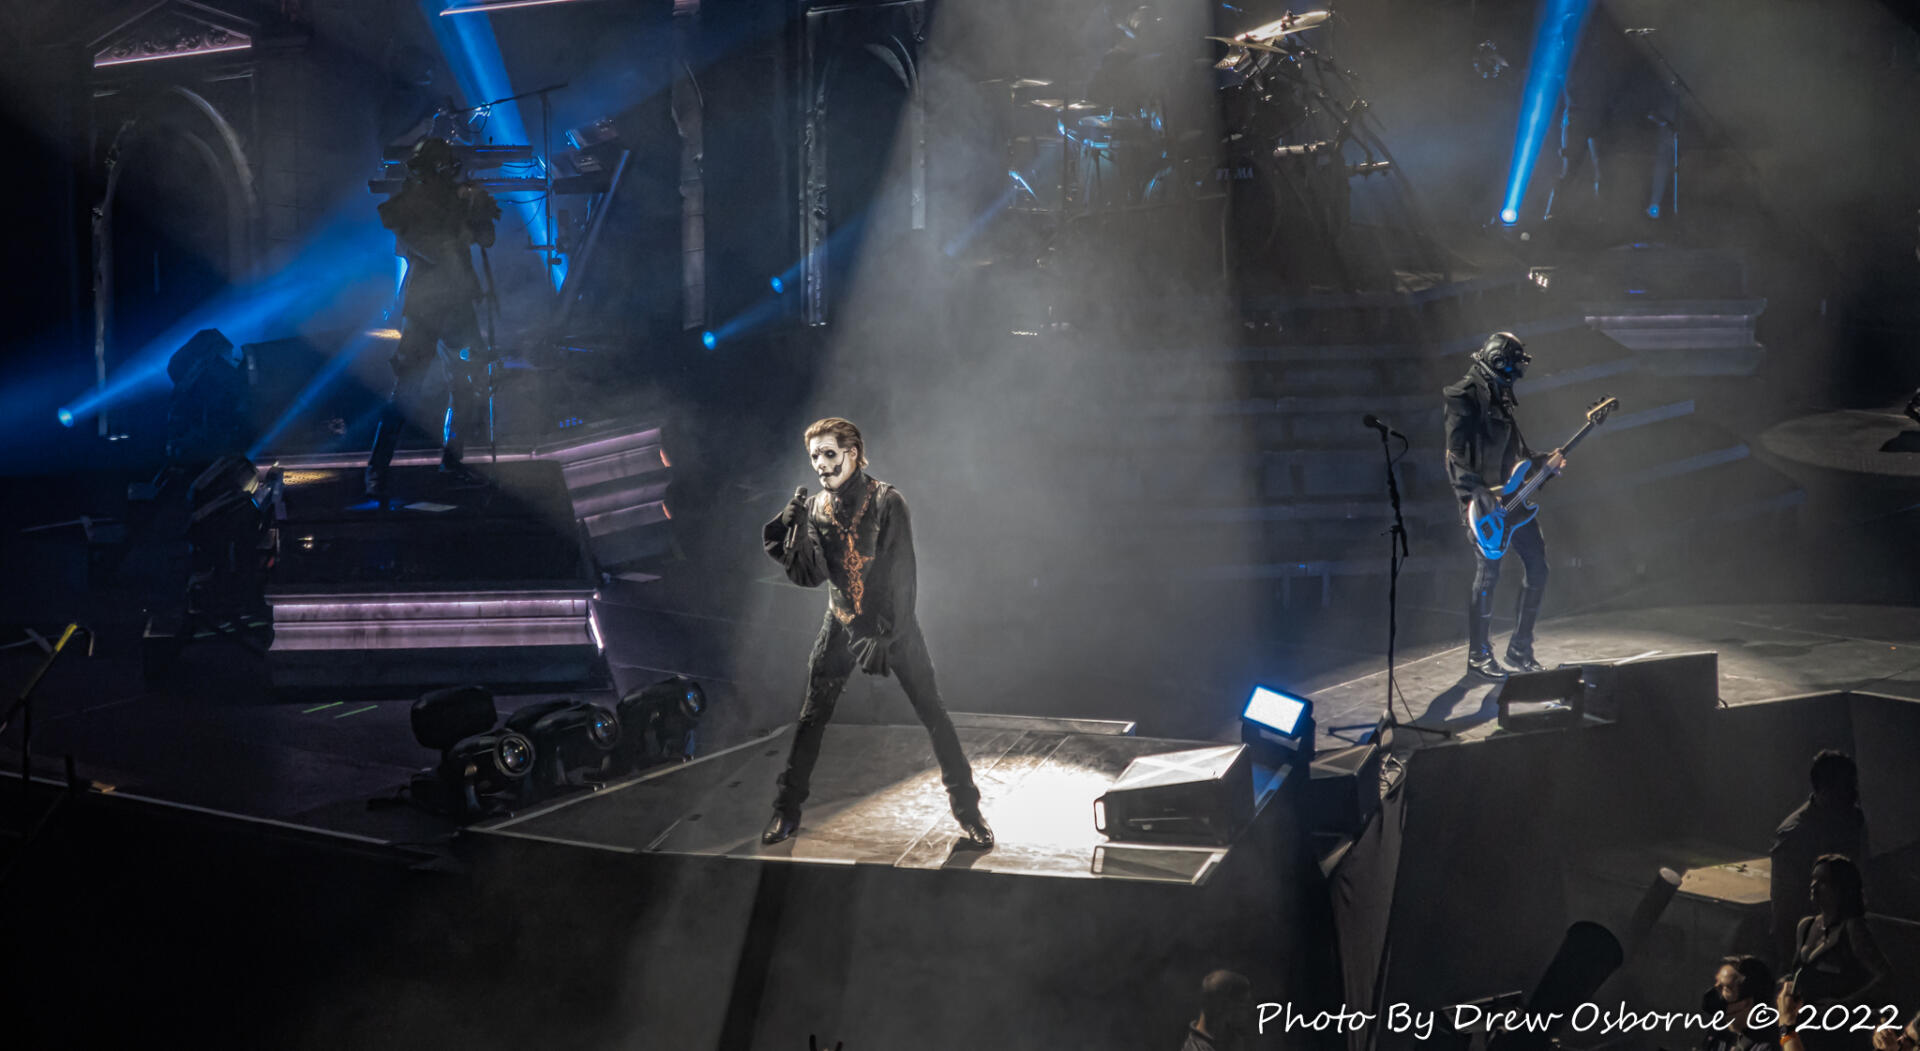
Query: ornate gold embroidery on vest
(856,562)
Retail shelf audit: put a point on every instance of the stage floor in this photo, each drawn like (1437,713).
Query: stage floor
(1765,652)
(877,800)
(316,764)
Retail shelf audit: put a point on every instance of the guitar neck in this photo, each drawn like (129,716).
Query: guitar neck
(1539,478)
(1579,436)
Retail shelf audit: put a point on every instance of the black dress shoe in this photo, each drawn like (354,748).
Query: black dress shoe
(1483,665)
(976,833)
(1522,660)
(781,828)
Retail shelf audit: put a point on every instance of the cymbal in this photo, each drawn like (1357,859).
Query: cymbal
(1249,44)
(1030,82)
(1063,106)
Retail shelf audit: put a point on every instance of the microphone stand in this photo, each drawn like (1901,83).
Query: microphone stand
(493,356)
(1397,554)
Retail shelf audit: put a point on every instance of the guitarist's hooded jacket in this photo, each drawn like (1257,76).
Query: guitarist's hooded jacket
(1483,439)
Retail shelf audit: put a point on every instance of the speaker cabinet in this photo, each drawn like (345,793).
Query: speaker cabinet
(1200,796)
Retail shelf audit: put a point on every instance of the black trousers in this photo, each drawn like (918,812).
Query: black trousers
(442,332)
(1530,545)
(828,669)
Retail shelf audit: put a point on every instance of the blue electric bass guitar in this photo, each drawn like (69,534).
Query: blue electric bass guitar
(1494,530)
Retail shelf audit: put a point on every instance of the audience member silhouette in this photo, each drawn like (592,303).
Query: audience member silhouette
(1829,822)
(1226,1021)
(1835,959)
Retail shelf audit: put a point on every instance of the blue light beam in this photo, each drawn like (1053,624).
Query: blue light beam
(473,51)
(1553,51)
(323,381)
(348,246)
(770,308)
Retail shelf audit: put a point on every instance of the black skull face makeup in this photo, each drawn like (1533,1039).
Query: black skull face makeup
(832,462)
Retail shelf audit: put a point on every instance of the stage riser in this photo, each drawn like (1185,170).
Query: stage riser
(521,668)
(450,584)
(1686,338)
(642,461)
(616,479)
(477,607)
(487,633)
(619,495)
(719,952)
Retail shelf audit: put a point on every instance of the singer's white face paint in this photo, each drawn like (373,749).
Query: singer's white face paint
(832,462)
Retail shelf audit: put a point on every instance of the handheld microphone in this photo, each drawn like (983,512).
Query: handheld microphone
(793,529)
(1378,424)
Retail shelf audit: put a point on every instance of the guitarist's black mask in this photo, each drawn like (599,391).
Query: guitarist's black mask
(1504,357)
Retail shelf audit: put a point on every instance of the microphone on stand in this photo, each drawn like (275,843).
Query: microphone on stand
(1378,424)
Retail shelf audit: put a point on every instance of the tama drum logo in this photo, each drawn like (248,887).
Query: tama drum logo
(1239,172)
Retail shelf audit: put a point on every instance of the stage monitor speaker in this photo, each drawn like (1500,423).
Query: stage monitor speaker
(1670,694)
(1200,796)
(1542,700)
(1344,789)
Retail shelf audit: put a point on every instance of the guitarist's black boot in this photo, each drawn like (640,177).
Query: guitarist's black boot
(1520,647)
(1479,626)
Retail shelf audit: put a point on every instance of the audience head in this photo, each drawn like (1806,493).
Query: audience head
(1226,1006)
(1837,888)
(1836,780)
(1743,982)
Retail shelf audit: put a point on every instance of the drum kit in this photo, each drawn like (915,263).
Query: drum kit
(1276,155)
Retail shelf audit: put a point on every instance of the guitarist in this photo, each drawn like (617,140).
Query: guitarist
(1483,446)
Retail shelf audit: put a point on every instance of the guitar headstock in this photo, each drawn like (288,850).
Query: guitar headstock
(1598,412)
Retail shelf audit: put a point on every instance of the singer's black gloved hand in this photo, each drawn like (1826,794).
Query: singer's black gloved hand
(796,509)
(871,654)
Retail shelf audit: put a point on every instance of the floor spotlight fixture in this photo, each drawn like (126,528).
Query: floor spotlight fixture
(662,721)
(1277,726)
(231,538)
(569,738)
(475,761)
(485,765)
